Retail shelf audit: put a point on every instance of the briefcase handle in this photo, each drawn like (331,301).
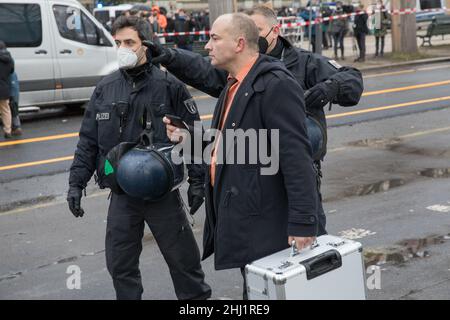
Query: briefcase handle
(295,251)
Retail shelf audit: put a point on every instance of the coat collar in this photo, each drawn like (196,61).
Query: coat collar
(290,54)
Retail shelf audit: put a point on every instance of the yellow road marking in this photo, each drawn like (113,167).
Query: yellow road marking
(35,163)
(394,106)
(46,138)
(419,86)
(104,193)
(62,136)
(209,116)
(405,71)
(389,73)
(433,68)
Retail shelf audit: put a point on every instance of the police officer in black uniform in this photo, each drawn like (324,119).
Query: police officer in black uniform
(324,80)
(117,113)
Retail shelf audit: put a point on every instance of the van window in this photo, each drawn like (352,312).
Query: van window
(430,4)
(21,25)
(75,25)
(90,29)
(102,16)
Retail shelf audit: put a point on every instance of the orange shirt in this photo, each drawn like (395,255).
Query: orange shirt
(229,101)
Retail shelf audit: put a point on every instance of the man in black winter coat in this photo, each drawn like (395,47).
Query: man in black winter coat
(122,103)
(250,214)
(6,69)
(183,23)
(360,30)
(323,80)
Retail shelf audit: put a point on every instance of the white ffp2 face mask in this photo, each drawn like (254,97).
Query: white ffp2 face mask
(127,58)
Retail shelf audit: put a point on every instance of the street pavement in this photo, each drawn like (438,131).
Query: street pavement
(386,184)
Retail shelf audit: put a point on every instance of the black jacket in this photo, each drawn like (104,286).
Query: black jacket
(310,69)
(361,24)
(250,215)
(100,129)
(6,69)
(183,24)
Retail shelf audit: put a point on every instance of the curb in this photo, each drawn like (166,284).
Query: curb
(405,64)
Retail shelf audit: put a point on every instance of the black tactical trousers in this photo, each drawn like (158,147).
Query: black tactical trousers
(173,234)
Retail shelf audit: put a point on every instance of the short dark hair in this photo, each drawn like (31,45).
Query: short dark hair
(2,45)
(142,26)
(133,12)
(264,11)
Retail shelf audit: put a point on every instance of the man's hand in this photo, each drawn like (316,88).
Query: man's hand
(74,198)
(196,195)
(322,93)
(175,134)
(301,242)
(157,53)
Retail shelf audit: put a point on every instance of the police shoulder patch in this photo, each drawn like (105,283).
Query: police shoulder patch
(190,105)
(334,64)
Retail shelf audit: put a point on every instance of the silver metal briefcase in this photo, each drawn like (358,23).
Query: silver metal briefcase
(333,268)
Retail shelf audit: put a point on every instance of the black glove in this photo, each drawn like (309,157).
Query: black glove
(156,53)
(74,198)
(322,93)
(196,195)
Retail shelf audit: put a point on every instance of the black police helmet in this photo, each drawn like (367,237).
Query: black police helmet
(149,173)
(317,137)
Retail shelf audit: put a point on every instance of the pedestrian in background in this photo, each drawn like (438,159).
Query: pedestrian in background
(338,29)
(14,105)
(309,15)
(326,12)
(183,24)
(381,21)
(361,30)
(6,69)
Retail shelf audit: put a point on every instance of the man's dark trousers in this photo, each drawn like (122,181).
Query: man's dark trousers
(173,234)
(361,39)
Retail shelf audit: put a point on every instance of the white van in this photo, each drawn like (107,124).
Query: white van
(60,50)
(106,13)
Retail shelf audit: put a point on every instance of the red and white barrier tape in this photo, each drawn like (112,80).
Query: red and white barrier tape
(192,33)
(316,21)
(346,15)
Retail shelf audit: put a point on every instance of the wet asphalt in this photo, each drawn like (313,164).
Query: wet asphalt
(386,184)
